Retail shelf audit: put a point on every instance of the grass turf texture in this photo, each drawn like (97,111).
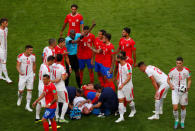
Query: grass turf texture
(162,30)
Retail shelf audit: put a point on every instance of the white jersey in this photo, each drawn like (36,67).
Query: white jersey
(47,52)
(123,71)
(57,71)
(3,40)
(26,66)
(179,78)
(44,69)
(77,101)
(159,76)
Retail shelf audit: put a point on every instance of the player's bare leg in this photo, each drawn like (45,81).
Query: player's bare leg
(28,100)
(176,116)
(183,116)
(20,93)
(121,108)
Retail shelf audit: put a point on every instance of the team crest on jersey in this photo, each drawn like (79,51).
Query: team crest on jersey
(77,20)
(89,40)
(54,91)
(127,44)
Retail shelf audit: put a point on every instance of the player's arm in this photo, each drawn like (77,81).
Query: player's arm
(34,68)
(154,83)
(38,99)
(55,99)
(18,68)
(98,105)
(189,83)
(126,81)
(64,76)
(56,80)
(170,84)
(68,62)
(62,30)
(118,49)
(134,58)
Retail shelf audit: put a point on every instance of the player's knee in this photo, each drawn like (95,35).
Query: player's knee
(175,107)
(183,107)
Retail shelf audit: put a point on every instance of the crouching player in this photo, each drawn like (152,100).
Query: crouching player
(125,86)
(159,81)
(179,80)
(51,98)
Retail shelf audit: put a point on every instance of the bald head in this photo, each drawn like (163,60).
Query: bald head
(72,34)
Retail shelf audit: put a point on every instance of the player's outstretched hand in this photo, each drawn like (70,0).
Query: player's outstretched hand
(121,87)
(172,87)
(93,23)
(34,104)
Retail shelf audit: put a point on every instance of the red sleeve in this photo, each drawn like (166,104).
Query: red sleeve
(66,19)
(133,45)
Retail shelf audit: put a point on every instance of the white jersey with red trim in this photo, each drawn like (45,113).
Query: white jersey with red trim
(3,40)
(44,69)
(47,52)
(159,76)
(123,71)
(179,78)
(57,71)
(26,66)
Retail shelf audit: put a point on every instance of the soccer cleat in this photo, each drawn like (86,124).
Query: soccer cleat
(19,101)
(2,78)
(101,115)
(153,117)
(182,125)
(38,120)
(176,124)
(63,121)
(50,127)
(120,119)
(132,114)
(28,109)
(8,80)
(160,113)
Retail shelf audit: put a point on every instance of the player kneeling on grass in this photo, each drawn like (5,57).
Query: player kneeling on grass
(125,86)
(26,68)
(51,98)
(159,81)
(58,76)
(179,80)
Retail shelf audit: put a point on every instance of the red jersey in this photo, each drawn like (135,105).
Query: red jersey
(59,50)
(86,91)
(98,45)
(128,46)
(50,91)
(84,52)
(108,51)
(74,22)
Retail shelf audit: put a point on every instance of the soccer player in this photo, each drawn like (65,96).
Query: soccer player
(49,50)
(179,80)
(26,68)
(51,98)
(71,45)
(159,81)
(59,75)
(44,69)
(85,54)
(99,56)
(125,87)
(3,49)
(74,20)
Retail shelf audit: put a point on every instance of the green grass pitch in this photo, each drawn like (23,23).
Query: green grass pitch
(162,30)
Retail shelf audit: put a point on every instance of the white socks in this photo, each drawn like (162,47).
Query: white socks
(121,109)
(132,106)
(20,95)
(161,104)
(1,69)
(183,115)
(38,110)
(157,107)
(64,109)
(176,115)
(57,111)
(4,69)
(28,98)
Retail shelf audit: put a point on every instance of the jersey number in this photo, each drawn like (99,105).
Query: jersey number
(54,73)
(158,70)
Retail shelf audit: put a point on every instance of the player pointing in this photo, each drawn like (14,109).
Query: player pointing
(179,80)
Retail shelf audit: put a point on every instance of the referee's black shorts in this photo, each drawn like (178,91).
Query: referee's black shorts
(74,62)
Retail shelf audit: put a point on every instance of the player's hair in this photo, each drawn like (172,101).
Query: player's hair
(47,76)
(141,63)
(60,40)
(103,31)
(59,57)
(179,59)
(128,30)
(50,58)
(97,86)
(86,27)
(28,46)
(74,5)
(3,20)
(122,55)
(51,41)
(108,36)
(79,91)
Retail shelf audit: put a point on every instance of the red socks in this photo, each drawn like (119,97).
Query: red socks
(91,75)
(46,126)
(54,125)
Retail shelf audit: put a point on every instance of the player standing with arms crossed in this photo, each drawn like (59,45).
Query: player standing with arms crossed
(44,69)
(179,80)
(26,68)
(3,49)
(125,87)
(51,98)
(159,81)
(74,19)
(49,50)
(85,54)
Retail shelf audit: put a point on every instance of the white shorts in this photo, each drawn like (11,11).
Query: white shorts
(88,105)
(63,96)
(126,92)
(179,98)
(162,91)
(42,101)
(26,81)
(3,57)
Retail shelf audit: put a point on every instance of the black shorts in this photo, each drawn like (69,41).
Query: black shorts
(74,62)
